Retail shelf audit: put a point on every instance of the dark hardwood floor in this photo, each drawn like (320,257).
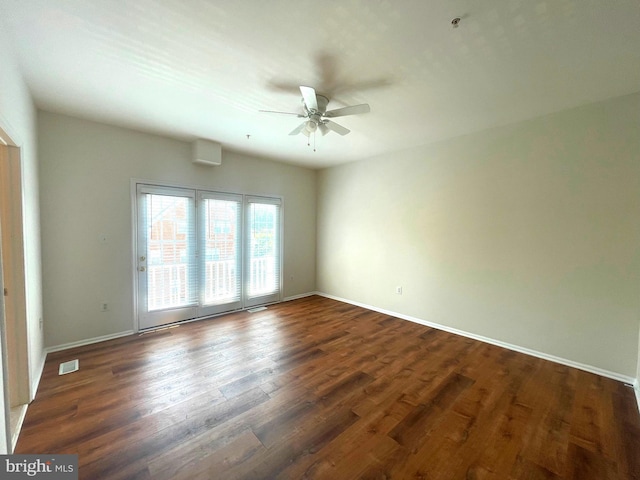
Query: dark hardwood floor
(316,388)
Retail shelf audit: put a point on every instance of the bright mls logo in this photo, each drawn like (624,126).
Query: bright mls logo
(51,467)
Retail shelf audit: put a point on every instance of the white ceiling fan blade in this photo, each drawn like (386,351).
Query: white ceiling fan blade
(309,97)
(352,110)
(323,129)
(337,128)
(299,115)
(298,129)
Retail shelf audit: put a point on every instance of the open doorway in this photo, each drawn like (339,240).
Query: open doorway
(14,317)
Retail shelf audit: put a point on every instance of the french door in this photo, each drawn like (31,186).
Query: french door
(262,247)
(201,253)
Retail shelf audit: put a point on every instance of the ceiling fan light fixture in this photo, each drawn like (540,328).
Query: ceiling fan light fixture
(309,127)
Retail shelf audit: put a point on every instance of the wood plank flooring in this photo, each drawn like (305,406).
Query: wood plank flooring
(318,389)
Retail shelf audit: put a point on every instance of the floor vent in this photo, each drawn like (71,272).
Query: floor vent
(68,367)
(257,309)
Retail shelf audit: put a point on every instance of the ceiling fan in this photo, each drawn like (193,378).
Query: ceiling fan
(316,114)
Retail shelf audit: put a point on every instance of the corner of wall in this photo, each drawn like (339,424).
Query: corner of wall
(36,375)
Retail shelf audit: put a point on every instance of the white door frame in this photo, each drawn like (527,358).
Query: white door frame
(13,324)
(154,319)
(229,305)
(5,413)
(267,298)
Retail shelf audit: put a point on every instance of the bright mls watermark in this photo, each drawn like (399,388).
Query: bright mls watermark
(51,467)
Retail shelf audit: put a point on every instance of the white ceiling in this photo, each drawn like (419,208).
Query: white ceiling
(203,68)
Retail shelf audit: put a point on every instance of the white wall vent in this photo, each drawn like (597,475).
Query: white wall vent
(68,367)
(206,152)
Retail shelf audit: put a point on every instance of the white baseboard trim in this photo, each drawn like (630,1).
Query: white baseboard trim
(88,341)
(515,348)
(636,388)
(302,295)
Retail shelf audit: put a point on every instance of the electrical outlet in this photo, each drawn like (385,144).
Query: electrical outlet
(104,306)
(399,290)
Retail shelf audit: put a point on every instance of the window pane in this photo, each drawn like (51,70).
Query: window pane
(221,251)
(169,254)
(263,249)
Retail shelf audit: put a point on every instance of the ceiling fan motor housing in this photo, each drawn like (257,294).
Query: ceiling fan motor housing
(322,103)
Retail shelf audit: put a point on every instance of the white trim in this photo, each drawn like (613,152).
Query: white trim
(636,388)
(509,346)
(302,295)
(88,341)
(197,186)
(133,186)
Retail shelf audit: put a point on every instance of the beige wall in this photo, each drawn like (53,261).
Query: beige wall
(86,169)
(527,234)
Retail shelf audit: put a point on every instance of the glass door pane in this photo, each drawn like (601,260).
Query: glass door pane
(220,234)
(166,256)
(263,251)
